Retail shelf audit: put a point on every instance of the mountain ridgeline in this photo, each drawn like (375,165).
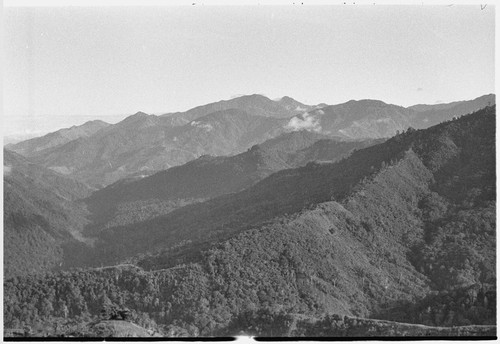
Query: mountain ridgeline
(32,146)
(100,154)
(402,229)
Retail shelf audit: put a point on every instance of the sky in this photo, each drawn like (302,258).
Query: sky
(67,65)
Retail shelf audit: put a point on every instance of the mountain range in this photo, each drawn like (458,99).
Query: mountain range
(319,219)
(255,104)
(376,119)
(99,154)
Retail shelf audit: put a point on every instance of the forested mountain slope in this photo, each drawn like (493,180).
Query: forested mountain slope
(132,200)
(405,224)
(40,214)
(289,191)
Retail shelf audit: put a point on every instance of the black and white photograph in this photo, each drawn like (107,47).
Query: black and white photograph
(287,170)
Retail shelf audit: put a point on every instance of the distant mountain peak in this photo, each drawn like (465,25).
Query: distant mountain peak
(293,105)
(286,99)
(136,117)
(140,114)
(95,121)
(248,98)
(255,95)
(366,102)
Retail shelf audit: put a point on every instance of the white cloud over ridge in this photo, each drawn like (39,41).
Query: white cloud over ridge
(206,126)
(306,121)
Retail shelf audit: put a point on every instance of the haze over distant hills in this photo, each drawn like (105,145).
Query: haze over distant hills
(58,138)
(100,154)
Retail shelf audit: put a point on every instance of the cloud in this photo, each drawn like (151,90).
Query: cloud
(304,122)
(383,120)
(206,126)
(420,89)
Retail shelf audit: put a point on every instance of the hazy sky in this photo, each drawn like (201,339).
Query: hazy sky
(68,65)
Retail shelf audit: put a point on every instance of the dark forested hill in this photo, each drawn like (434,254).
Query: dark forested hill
(401,230)
(40,214)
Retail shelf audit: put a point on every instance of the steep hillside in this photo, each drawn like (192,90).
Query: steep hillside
(39,216)
(285,146)
(327,150)
(405,224)
(131,200)
(34,146)
(291,190)
(15,165)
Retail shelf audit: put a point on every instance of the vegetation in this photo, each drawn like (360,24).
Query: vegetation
(129,201)
(402,230)
(344,326)
(40,215)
